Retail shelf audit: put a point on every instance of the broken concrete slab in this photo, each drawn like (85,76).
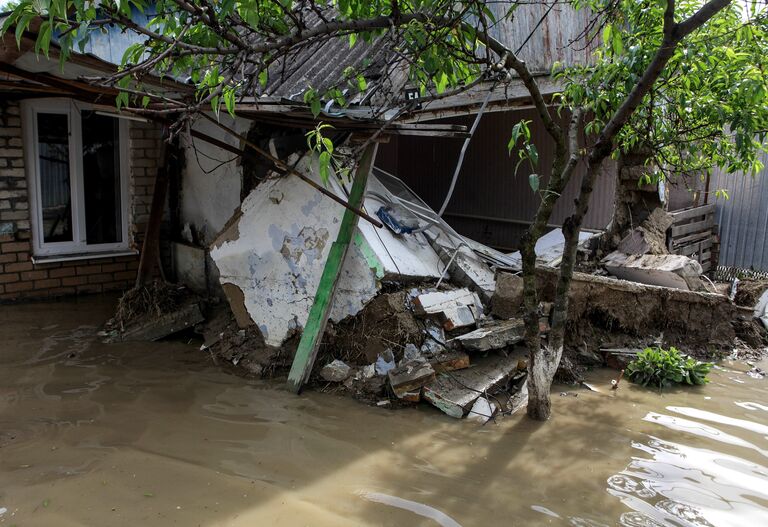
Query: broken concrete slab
(336,371)
(483,410)
(669,270)
(272,254)
(650,237)
(465,267)
(496,335)
(457,309)
(454,393)
(409,377)
(165,325)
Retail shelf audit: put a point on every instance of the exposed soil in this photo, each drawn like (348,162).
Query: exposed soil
(748,292)
(386,322)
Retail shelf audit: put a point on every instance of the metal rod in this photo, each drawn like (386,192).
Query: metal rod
(464,151)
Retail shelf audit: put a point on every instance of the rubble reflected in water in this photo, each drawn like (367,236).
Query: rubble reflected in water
(155,434)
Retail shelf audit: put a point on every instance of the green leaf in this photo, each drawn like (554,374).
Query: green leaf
(361,83)
(315,106)
(229,100)
(533,181)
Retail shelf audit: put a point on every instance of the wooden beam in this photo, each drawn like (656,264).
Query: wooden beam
(321,307)
(151,246)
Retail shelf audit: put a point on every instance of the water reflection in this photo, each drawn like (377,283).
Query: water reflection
(678,484)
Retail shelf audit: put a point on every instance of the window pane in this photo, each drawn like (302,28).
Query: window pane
(101,179)
(55,190)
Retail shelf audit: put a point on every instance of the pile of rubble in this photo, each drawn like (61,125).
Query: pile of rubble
(424,343)
(424,314)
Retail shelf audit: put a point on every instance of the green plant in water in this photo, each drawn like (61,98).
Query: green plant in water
(661,368)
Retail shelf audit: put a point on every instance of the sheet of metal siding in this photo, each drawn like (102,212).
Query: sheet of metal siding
(487,187)
(555,40)
(743,218)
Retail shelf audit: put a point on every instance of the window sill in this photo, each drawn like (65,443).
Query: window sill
(55,258)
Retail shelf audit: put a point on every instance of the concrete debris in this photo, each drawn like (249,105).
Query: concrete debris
(412,353)
(650,237)
(336,371)
(409,377)
(519,399)
(271,254)
(483,410)
(669,270)
(508,297)
(385,362)
(497,335)
(367,371)
(457,309)
(454,393)
(465,267)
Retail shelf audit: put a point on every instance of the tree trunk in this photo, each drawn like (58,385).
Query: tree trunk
(540,360)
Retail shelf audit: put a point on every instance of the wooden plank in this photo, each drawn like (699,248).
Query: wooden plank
(165,325)
(321,307)
(679,230)
(691,238)
(695,212)
(694,247)
(150,248)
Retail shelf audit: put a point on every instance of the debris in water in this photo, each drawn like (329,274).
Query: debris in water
(454,393)
(483,410)
(409,377)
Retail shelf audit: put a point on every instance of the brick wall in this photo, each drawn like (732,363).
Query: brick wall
(19,277)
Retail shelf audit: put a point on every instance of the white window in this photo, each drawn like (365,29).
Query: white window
(77,164)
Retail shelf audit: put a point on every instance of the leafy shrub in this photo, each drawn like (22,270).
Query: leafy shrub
(661,368)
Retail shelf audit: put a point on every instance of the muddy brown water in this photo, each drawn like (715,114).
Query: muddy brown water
(154,434)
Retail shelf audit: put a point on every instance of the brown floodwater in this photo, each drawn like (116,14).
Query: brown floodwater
(145,434)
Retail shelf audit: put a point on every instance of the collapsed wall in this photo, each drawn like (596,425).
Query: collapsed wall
(607,311)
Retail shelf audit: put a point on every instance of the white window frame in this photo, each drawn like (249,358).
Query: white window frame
(78,245)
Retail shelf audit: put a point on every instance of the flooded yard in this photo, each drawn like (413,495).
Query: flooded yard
(156,434)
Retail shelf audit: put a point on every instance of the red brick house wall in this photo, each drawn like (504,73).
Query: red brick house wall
(20,278)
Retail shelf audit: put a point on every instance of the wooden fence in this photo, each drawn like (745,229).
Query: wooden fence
(692,234)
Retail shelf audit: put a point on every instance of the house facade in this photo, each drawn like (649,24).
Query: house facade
(75,190)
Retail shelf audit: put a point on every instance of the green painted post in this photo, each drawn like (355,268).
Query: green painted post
(321,307)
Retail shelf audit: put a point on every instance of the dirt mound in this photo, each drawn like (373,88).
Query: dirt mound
(385,322)
(748,292)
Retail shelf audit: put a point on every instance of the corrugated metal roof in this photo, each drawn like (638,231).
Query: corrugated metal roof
(322,65)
